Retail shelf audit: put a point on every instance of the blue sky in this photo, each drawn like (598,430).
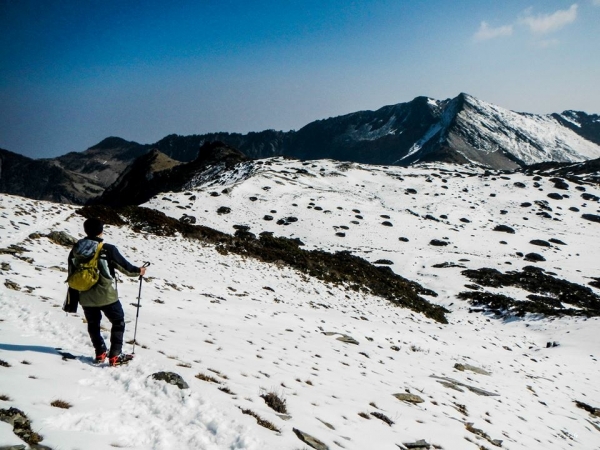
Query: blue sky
(75,72)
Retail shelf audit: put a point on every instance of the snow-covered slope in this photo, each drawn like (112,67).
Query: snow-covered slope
(487,134)
(257,328)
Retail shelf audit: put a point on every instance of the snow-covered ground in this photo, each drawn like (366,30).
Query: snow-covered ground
(259,328)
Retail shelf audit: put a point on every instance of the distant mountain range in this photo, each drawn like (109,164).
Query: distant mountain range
(460,130)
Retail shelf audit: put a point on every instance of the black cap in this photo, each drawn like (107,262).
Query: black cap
(93,227)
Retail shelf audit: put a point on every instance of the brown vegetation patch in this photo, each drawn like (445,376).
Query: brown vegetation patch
(340,268)
(262,422)
(275,402)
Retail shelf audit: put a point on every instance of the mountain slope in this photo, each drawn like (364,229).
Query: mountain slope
(343,360)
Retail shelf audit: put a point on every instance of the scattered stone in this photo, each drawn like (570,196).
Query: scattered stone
(559,183)
(21,425)
(5,266)
(309,440)
(526,205)
(409,398)
(593,411)
(555,196)
(556,241)
(410,191)
(543,204)
(504,229)
(519,184)
(253,199)
(223,210)
(171,378)
(591,217)
(421,444)
(267,217)
(465,220)
(62,238)
(190,220)
(430,217)
(447,265)
(438,243)
(387,224)
(534,257)
(590,197)
(552,344)
(403,239)
(574,209)
(384,261)
(12,285)
(241,227)
(347,339)
(463,367)
(340,234)
(540,243)
(214,194)
(503,211)
(474,389)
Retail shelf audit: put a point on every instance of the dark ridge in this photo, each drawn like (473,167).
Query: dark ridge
(553,293)
(341,268)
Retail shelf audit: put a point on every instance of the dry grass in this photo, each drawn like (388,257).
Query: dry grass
(4,363)
(226,390)
(262,422)
(383,418)
(275,402)
(204,377)
(61,404)
(364,415)
(5,398)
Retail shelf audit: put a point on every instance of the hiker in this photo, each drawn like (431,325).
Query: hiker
(102,297)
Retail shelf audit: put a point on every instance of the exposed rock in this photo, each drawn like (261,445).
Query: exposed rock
(223,210)
(463,367)
(559,183)
(446,265)
(62,238)
(438,243)
(403,239)
(187,219)
(593,411)
(519,184)
(504,229)
(5,266)
(348,339)
(21,425)
(590,197)
(409,398)
(474,389)
(534,257)
(526,205)
(12,285)
(421,444)
(540,243)
(465,220)
(310,440)
(171,378)
(387,223)
(556,241)
(267,217)
(384,261)
(591,217)
(555,196)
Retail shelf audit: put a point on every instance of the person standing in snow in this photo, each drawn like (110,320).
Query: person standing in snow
(103,296)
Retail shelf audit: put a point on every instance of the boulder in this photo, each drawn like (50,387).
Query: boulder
(62,238)
(504,229)
(171,378)
(409,398)
(309,440)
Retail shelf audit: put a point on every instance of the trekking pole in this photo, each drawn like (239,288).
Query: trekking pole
(137,314)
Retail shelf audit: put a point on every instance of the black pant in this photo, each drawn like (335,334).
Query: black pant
(114,313)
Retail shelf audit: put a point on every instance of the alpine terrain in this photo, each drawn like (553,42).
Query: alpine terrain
(325,304)
(459,130)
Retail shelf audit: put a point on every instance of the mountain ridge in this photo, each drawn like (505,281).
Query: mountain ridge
(460,130)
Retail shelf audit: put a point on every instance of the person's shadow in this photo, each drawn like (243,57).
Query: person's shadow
(50,350)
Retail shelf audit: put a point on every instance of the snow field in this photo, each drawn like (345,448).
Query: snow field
(258,328)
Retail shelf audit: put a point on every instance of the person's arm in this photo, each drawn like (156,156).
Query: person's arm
(121,264)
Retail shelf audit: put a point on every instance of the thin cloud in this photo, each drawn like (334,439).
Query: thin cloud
(547,23)
(486,32)
(596,2)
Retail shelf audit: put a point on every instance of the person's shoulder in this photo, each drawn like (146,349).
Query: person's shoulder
(108,247)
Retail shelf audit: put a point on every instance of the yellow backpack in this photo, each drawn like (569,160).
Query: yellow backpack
(86,274)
